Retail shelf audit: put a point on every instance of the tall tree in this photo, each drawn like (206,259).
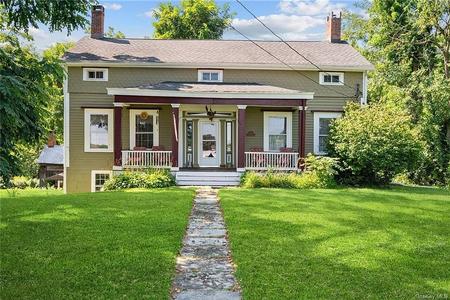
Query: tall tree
(57,15)
(192,19)
(409,43)
(55,106)
(27,80)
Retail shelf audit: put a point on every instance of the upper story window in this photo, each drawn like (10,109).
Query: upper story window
(95,74)
(277,130)
(98,134)
(210,75)
(331,78)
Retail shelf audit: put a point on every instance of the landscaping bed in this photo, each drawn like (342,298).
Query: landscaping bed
(341,243)
(98,245)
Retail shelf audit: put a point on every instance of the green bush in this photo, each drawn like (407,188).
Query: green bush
(154,178)
(373,144)
(22,182)
(447,177)
(319,173)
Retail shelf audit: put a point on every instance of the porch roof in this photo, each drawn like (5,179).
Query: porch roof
(211,90)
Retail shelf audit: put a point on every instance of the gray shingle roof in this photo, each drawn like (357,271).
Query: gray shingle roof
(217,87)
(216,52)
(53,155)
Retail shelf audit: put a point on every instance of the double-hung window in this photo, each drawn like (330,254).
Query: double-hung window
(144,128)
(322,122)
(331,78)
(277,130)
(210,75)
(98,130)
(95,74)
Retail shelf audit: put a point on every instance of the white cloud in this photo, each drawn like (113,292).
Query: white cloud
(290,27)
(112,6)
(149,14)
(44,38)
(310,7)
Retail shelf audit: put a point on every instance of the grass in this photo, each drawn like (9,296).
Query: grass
(30,192)
(343,243)
(99,245)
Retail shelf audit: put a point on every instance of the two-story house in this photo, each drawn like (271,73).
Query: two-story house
(206,109)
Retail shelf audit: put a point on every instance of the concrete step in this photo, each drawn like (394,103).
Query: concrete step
(205,178)
(207,183)
(208,174)
(208,178)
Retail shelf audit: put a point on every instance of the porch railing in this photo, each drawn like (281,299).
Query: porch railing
(282,161)
(146,159)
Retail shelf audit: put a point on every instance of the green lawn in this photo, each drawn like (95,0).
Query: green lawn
(344,243)
(100,245)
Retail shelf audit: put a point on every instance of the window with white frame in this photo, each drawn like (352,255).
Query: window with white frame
(331,78)
(144,128)
(210,75)
(277,130)
(98,179)
(98,130)
(95,74)
(322,122)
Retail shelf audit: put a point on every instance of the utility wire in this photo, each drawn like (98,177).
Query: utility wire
(289,66)
(292,48)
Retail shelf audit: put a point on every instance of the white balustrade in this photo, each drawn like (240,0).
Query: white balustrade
(146,159)
(282,161)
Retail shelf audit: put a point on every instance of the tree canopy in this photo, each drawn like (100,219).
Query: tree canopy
(192,19)
(31,84)
(70,15)
(409,44)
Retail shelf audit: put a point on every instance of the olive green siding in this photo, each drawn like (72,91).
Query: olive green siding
(90,93)
(82,163)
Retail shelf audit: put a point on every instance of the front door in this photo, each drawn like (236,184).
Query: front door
(209,144)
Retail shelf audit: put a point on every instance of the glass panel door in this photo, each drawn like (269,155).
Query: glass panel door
(209,144)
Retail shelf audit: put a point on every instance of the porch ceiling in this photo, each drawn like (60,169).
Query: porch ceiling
(211,90)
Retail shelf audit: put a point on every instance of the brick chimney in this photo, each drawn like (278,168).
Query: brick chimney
(51,141)
(97,22)
(334,28)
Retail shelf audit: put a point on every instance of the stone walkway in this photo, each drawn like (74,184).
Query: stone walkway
(204,266)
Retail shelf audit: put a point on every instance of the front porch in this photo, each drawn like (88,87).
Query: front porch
(252,132)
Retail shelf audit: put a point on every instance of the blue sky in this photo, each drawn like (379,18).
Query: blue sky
(292,19)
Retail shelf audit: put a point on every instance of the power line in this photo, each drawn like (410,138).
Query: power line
(292,48)
(289,66)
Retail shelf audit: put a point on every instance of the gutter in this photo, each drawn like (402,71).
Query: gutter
(96,63)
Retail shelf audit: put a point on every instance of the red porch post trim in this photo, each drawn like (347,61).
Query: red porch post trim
(175,121)
(117,134)
(241,137)
(301,129)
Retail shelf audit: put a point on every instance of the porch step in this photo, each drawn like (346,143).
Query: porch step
(202,178)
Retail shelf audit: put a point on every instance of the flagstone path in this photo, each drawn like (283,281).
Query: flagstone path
(204,266)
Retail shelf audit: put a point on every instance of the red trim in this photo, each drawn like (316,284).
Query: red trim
(117,136)
(193,100)
(241,138)
(175,134)
(302,115)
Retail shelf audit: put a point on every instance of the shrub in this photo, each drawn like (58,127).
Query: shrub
(374,144)
(22,182)
(153,178)
(321,169)
(319,173)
